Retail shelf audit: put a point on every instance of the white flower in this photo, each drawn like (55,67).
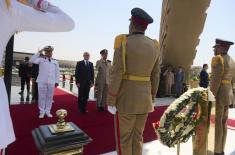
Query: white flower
(183,114)
(162,121)
(178,127)
(187,130)
(174,106)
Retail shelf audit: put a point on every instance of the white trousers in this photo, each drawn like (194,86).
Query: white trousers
(7,134)
(2,152)
(45,97)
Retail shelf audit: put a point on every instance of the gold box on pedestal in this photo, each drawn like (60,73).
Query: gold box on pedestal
(61,138)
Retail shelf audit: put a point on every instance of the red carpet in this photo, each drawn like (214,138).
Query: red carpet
(99,126)
(230,122)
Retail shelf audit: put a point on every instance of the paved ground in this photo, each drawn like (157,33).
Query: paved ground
(151,148)
(156,148)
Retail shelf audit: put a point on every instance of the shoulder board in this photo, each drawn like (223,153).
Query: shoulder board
(149,38)
(55,60)
(155,41)
(218,59)
(118,40)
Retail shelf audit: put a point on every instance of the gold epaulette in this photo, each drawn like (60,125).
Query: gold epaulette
(218,59)
(8,3)
(118,40)
(1,72)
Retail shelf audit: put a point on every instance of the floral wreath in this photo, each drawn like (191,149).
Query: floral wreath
(178,122)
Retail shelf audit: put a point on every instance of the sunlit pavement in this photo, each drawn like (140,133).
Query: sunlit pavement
(156,148)
(150,148)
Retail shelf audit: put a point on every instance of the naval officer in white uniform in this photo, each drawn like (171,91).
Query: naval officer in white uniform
(48,79)
(17,17)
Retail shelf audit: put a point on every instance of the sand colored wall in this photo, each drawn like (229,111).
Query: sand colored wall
(182,22)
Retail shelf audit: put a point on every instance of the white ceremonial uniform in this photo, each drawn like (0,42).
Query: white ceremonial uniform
(47,77)
(19,17)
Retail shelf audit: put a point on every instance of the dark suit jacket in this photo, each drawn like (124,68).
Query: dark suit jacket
(35,70)
(83,73)
(24,70)
(204,79)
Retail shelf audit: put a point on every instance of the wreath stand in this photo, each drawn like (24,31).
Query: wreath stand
(178,148)
(198,111)
(203,140)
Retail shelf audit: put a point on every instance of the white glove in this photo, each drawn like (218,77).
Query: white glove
(112,109)
(211,97)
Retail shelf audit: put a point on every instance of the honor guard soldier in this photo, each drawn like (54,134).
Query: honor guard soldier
(134,83)
(48,79)
(223,72)
(102,80)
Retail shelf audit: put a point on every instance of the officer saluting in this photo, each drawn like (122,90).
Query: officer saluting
(134,82)
(48,79)
(223,72)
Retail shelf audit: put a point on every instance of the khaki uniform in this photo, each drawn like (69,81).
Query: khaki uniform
(169,81)
(223,72)
(134,81)
(102,81)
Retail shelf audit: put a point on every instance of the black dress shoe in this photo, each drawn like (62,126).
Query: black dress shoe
(231,106)
(219,153)
(83,111)
(100,109)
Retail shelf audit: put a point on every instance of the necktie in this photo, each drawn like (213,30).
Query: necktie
(49,59)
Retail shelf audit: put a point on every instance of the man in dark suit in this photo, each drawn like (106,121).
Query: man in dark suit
(179,80)
(25,73)
(204,78)
(35,70)
(84,75)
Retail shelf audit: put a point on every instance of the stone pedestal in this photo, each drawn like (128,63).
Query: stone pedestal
(64,143)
